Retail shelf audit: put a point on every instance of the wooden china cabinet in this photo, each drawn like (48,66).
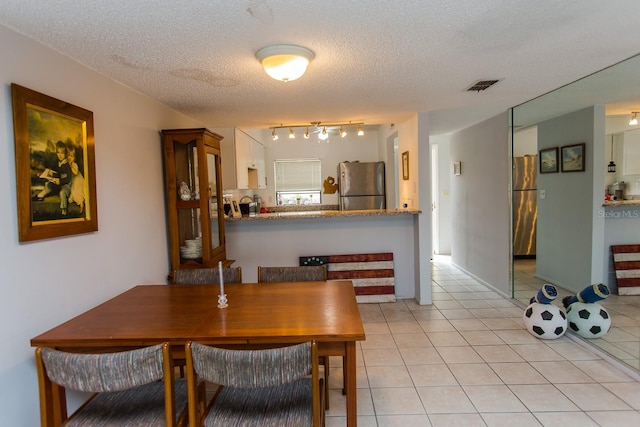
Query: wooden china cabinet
(193,188)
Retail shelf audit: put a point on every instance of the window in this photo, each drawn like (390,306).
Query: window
(298,181)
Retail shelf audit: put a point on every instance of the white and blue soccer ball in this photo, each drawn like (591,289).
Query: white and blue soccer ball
(589,320)
(546,321)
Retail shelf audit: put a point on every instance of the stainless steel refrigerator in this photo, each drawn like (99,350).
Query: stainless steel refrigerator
(525,206)
(362,185)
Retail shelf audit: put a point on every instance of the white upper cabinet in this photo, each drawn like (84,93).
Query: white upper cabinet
(243,165)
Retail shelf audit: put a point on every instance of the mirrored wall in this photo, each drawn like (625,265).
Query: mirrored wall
(565,219)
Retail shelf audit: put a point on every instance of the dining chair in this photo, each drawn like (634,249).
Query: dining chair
(257,387)
(205,276)
(132,388)
(306,273)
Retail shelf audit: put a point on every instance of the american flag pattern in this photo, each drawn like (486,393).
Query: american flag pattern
(626,260)
(372,274)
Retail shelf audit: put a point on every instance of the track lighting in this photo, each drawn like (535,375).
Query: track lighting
(323,130)
(634,118)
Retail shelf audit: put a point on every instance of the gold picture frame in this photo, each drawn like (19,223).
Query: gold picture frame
(55,166)
(405,165)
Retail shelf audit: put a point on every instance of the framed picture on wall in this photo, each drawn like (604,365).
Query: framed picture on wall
(549,160)
(235,208)
(573,158)
(405,165)
(55,166)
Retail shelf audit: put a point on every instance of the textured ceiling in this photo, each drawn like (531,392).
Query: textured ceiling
(376,61)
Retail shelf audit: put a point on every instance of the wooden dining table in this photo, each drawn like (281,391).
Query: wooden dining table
(274,313)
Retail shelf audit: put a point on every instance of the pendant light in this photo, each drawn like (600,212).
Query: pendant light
(612,166)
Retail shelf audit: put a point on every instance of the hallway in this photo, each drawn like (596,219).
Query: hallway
(467,360)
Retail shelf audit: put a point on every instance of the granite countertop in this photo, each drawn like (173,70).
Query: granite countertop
(634,202)
(330,213)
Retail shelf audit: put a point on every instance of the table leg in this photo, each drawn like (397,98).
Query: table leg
(350,383)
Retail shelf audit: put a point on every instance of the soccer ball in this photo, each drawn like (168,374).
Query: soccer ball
(546,321)
(589,320)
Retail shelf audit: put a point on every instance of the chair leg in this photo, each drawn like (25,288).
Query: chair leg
(326,383)
(344,381)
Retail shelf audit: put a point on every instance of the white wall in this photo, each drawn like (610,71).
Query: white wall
(480,202)
(47,282)
(444,193)
(570,234)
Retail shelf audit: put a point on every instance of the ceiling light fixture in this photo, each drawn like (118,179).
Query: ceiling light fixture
(634,118)
(360,131)
(306,134)
(343,132)
(323,135)
(285,62)
(323,130)
(292,134)
(274,135)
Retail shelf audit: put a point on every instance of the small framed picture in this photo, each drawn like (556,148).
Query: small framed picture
(235,208)
(549,160)
(573,158)
(457,168)
(405,165)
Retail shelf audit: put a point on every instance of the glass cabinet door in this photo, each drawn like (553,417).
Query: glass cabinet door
(216,219)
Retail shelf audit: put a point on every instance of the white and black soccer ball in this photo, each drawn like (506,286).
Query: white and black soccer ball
(589,320)
(546,321)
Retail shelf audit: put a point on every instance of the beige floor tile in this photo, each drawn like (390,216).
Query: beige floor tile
(431,375)
(378,341)
(572,351)
(412,340)
(402,421)
(497,353)
(363,421)
(405,327)
(338,406)
(592,397)
(474,374)
(493,398)
(510,420)
(375,328)
(398,401)
(461,313)
(561,372)
(389,376)
(468,325)
(445,400)
(382,357)
(602,371)
(446,339)
(518,373)
(517,336)
(481,338)
(420,356)
(501,323)
(543,398)
(629,392)
(486,313)
(428,315)
(456,420)
(536,352)
(436,325)
(566,419)
(459,354)
(616,418)
(474,303)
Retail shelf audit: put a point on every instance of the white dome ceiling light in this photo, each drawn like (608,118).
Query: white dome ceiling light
(285,62)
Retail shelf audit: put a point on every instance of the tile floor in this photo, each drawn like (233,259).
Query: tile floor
(623,339)
(467,360)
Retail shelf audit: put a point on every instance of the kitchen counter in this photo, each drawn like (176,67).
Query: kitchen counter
(635,202)
(325,214)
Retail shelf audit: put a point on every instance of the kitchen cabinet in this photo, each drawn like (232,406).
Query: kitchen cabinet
(243,166)
(631,153)
(193,190)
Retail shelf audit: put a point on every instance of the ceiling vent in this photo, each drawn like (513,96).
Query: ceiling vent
(481,85)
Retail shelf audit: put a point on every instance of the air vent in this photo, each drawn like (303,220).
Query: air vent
(481,85)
